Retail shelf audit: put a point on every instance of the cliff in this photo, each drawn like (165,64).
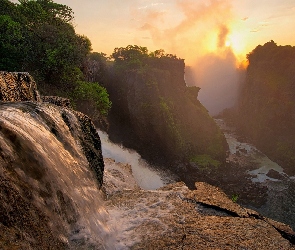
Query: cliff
(51,169)
(161,117)
(266,108)
(45,151)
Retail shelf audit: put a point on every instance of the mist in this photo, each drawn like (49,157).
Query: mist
(201,37)
(219,79)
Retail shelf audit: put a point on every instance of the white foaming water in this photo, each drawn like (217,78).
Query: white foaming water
(75,205)
(264,163)
(146,177)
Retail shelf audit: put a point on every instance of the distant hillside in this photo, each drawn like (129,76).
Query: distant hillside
(266,108)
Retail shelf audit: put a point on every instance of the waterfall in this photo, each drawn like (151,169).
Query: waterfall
(42,155)
(146,176)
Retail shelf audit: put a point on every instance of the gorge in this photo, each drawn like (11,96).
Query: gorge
(51,172)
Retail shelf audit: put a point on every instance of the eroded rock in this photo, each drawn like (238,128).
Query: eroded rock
(17,86)
(174,217)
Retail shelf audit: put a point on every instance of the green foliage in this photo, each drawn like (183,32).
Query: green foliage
(171,124)
(132,55)
(205,161)
(45,11)
(11,40)
(235,197)
(39,33)
(38,36)
(96,94)
(135,57)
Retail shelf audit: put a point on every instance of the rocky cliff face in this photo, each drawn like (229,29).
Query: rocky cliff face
(46,153)
(17,87)
(161,117)
(266,109)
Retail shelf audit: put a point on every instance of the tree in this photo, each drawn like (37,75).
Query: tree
(11,40)
(132,54)
(45,11)
(93,97)
(158,53)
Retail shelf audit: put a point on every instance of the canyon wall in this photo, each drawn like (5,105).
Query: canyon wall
(266,109)
(161,117)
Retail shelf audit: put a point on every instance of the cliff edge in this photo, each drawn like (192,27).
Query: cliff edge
(266,109)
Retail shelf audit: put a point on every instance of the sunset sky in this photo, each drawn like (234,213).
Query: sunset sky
(188,28)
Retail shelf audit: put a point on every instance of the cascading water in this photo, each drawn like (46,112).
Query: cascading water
(38,146)
(146,177)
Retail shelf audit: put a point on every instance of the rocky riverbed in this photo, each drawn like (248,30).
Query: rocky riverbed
(256,181)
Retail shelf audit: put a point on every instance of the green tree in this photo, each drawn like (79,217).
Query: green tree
(45,11)
(89,95)
(11,40)
(131,57)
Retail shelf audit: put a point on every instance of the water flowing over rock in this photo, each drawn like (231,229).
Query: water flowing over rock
(174,217)
(51,169)
(50,198)
(45,172)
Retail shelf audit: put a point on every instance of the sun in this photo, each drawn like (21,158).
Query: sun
(236,42)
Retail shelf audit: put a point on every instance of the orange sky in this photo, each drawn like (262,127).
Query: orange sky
(187,28)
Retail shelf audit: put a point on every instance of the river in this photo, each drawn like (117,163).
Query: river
(279,200)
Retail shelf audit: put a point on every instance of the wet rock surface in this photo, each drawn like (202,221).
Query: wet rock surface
(174,217)
(58,101)
(47,153)
(275,175)
(258,182)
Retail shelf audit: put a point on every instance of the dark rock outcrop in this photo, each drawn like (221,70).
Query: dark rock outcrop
(17,86)
(58,101)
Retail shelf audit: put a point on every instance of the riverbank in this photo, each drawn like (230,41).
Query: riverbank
(258,182)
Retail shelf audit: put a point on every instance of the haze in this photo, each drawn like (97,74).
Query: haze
(188,28)
(213,36)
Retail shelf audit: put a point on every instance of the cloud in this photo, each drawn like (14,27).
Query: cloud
(186,23)
(149,5)
(261,25)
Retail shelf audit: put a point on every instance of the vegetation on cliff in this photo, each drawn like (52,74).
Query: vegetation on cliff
(266,109)
(38,37)
(160,116)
